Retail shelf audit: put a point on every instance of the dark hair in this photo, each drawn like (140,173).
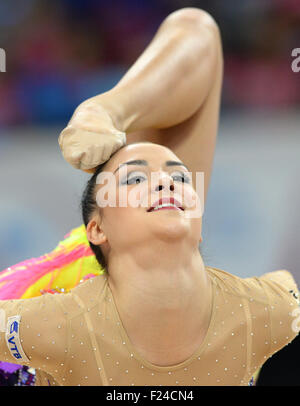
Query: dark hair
(88,205)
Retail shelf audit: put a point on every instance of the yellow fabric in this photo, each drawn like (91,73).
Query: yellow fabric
(65,278)
(78,338)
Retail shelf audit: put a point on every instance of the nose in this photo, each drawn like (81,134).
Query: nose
(164,182)
(161,187)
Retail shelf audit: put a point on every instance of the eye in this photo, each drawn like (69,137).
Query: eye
(181,177)
(133,179)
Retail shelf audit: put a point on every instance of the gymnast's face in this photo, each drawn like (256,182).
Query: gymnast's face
(151,196)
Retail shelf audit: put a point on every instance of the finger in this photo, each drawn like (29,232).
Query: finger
(106,152)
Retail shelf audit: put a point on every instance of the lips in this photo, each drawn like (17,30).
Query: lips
(164,203)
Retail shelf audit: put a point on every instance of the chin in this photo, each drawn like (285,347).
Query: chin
(172,229)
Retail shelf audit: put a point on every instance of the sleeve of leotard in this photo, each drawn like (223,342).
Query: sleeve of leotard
(284,311)
(33,332)
(272,315)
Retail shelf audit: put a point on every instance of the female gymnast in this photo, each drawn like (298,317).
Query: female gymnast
(138,306)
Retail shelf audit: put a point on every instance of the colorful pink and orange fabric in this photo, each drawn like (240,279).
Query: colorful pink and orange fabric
(70,263)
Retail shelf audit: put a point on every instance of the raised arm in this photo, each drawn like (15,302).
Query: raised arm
(173,76)
(170,95)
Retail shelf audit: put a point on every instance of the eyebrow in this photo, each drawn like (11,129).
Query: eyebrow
(145,163)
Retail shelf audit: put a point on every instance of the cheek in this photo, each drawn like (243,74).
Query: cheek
(119,223)
(125,227)
(134,196)
(189,197)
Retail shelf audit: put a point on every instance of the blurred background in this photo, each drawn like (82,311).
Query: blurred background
(61,52)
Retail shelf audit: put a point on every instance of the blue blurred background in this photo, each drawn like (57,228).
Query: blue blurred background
(61,52)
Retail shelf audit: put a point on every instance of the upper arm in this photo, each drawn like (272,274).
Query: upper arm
(194,139)
(282,292)
(35,333)
(271,316)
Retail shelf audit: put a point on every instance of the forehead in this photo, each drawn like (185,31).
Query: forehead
(154,154)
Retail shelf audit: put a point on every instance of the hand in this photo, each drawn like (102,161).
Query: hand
(90,137)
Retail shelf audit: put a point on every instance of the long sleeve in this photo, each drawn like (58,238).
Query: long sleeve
(284,310)
(33,332)
(273,316)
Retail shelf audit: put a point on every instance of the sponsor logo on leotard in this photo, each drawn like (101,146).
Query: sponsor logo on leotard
(13,339)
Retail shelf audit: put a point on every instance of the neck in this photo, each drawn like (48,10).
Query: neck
(160,271)
(167,286)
